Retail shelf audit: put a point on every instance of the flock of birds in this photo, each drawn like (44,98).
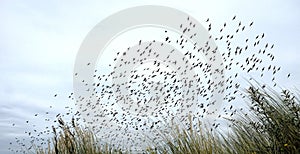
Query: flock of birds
(131,101)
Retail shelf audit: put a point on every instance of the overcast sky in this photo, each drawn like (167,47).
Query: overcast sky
(39,41)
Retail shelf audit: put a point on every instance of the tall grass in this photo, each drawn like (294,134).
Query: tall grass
(73,139)
(192,140)
(271,126)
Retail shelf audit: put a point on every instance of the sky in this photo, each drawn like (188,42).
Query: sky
(39,41)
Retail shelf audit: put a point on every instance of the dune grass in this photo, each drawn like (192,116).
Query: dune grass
(73,139)
(271,126)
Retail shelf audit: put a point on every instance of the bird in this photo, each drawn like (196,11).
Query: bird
(234,17)
(251,24)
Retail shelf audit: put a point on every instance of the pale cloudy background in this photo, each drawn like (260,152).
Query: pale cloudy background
(39,41)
